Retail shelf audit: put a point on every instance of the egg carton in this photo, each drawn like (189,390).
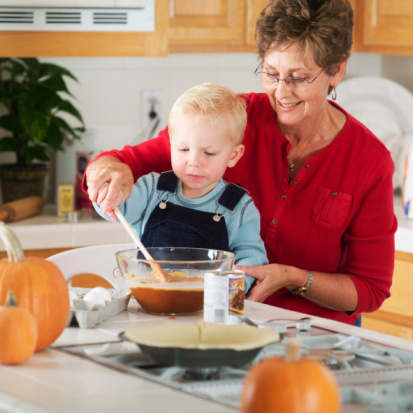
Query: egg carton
(91,306)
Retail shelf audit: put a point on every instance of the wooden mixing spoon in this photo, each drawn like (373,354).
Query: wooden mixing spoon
(159,274)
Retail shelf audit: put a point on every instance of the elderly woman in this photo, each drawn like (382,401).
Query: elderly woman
(320,179)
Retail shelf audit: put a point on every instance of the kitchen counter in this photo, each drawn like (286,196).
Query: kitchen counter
(49,231)
(53,381)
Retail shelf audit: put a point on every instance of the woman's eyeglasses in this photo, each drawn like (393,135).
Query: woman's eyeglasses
(296,84)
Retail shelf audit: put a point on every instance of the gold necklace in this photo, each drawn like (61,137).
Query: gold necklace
(290,164)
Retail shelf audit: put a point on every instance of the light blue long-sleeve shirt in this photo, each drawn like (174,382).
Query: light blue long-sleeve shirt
(243,223)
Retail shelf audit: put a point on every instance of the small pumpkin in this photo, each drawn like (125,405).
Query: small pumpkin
(290,385)
(39,285)
(18,332)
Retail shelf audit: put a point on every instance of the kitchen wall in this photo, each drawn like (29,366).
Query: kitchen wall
(399,69)
(109,92)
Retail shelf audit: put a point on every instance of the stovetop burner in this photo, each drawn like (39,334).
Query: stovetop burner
(198,374)
(205,374)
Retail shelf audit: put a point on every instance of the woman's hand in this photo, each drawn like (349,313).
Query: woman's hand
(269,280)
(333,291)
(109,182)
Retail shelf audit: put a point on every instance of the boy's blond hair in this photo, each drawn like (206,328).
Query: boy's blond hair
(215,102)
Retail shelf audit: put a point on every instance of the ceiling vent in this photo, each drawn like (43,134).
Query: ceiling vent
(78,15)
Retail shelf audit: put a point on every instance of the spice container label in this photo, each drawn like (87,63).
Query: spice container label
(82,198)
(65,199)
(223,296)
(407,187)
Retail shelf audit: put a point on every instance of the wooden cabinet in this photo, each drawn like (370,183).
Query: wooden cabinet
(395,316)
(383,26)
(197,26)
(44,253)
(82,280)
(92,44)
(213,25)
(254,8)
(182,26)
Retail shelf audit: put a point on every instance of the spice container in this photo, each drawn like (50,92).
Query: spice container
(407,187)
(224,296)
(82,198)
(65,199)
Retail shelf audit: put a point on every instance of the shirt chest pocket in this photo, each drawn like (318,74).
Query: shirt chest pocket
(330,207)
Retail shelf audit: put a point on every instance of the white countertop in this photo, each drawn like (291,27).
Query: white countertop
(53,381)
(49,231)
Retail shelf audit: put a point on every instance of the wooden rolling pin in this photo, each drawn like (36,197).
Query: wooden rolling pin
(22,208)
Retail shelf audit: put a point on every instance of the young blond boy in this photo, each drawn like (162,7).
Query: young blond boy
(192,206)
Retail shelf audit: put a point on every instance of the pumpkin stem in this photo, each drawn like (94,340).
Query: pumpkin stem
(293,350)
(11,300)
(11,243)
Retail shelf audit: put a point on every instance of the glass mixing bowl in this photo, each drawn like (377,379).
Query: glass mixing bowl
(185,296)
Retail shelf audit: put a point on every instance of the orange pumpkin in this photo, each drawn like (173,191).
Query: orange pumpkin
(18,332)
(39,285)
(290,385)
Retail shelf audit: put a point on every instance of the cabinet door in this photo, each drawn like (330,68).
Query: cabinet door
(387,328)
(401,299)
(45,253)
(395,316)
(197,23)
(384,26)
(254,8)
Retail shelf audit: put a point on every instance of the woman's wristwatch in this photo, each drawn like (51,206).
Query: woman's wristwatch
(303,290)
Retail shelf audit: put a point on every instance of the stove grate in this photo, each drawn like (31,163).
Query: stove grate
(375,375)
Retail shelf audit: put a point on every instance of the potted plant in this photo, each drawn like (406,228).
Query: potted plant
(34,98)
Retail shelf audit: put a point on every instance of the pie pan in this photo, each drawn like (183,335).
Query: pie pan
(201,344)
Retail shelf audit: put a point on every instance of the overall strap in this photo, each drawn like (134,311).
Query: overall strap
(231,196)
(167,182)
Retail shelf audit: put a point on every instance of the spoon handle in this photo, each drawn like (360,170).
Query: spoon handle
(158,272)
(132,234)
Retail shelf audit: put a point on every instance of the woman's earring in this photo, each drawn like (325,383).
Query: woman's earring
(334,93)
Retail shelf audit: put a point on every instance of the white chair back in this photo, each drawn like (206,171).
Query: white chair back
(97,259)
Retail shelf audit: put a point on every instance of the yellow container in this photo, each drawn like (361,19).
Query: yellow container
(65,199)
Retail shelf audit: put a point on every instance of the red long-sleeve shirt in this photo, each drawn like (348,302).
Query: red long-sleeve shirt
(335,216)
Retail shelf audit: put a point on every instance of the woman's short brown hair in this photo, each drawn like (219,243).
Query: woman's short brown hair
(321,27)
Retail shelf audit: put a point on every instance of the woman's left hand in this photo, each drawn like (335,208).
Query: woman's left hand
(269,280)
(334,291)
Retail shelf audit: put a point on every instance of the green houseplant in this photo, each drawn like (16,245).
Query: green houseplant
(33,96)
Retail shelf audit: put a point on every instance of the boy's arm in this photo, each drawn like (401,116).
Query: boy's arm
(116,170)
(133,209)
(244,237)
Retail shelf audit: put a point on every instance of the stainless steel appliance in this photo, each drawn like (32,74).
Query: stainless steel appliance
(373,377)
(78,15)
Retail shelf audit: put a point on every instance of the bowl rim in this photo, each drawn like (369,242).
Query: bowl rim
(230,256)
